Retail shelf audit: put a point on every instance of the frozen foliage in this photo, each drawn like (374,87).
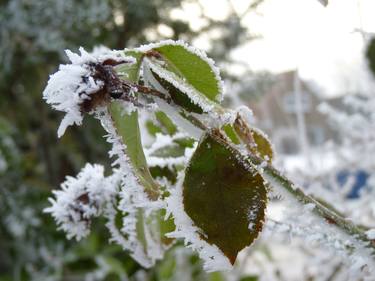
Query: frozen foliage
(300,221)
(195,51)
(246,113)
(133,203)
(74,83)
(196,97)
(172,112)
(213,115)
(165,141)
(90,195)
(213,258)
(133,216)
(322,251)
(81,199)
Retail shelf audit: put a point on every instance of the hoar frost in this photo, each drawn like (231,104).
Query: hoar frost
(74,83)
(91,194)
(81,199)
(134,202)
(202,55)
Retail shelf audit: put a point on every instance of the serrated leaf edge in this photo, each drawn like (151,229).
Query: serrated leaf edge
(201,54)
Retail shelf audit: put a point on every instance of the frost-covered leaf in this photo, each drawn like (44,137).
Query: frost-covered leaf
(179,89)
(180,98)
(165,226)
(138,226)
(231,133)
(130,71)
(263,144)
(128,128)
(165,122)
(170,174)
(168,155)
(193,65)
(256,141)
(161,124)
(224,197)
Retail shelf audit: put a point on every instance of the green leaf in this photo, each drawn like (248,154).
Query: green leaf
(165,226)
(152,128)
(180,98)
(162,125)
(166,172)
(224,197)
(231,133)
(263,145)
(128,128)
(255,140)
(173,150)
(195,68)
(130,72)
(216,276)
(165,122)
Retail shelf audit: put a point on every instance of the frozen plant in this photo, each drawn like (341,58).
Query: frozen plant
(208,175)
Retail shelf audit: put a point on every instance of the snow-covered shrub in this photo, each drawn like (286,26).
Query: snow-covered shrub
(205,179)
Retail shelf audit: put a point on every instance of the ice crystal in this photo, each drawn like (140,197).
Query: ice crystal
(73,83)
(80,199)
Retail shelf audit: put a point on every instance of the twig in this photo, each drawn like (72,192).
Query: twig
(320,210)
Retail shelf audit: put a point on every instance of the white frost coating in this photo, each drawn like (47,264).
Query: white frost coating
(81,199)
(214,259)
(217,118)
(170,110)
(252,216)
(133,200)
(199,53)
(166,161)
(214,116)
(162,141)
(246,113)
(73,83)
(299,220)
(180,121)
(195,97)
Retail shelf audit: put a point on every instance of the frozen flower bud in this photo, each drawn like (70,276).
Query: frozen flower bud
(85,83)
(81,199)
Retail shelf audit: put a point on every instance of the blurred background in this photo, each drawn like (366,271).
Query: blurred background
(303,68)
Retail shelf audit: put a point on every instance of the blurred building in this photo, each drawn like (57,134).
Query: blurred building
(276,113)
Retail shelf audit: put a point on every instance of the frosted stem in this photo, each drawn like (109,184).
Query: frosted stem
(328,215)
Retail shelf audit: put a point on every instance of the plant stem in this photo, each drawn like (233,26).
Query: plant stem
(329,216)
